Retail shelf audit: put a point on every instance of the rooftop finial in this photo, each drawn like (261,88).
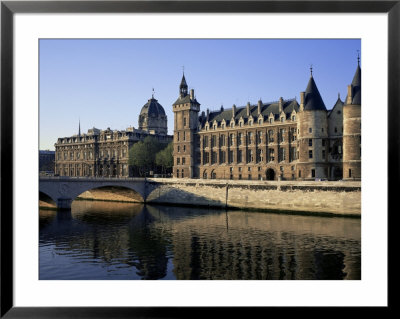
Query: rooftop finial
(79,131)
(183,69)
(311,69)
(358,57)
(152,95)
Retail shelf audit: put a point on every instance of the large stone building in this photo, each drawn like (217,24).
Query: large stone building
(270,141)
(106,152)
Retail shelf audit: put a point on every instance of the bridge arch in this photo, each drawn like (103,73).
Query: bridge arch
(44,197)
(64,190)
(112,192)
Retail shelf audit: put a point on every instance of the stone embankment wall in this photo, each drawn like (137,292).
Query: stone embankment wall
(342,198)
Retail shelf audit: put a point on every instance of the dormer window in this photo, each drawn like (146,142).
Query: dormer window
(215,126)
(259,121)
(232,124)
(293,118)
(282,119)
(250,122)
(270,120)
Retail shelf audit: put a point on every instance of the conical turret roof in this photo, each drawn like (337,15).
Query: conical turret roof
(313,100)
(183,82)
(356,87)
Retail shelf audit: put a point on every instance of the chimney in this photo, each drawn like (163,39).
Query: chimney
(349,94)
(192,94)
(248,109)
(280,105)
(222,108)
(233,110)
(302,100)
(208,114)
(203,115)
(259,106)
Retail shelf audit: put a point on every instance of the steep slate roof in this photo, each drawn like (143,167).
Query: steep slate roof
(313,100)
(339,102)
(356,84)
(152,107)
(185,99)
(266,109)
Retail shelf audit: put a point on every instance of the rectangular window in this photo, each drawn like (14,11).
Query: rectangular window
(231,138)
(179,148)
(205,141)
(239,156)
(178,136)
(184,148)
(213,157)
(270,136)
(183,160)
(259,137)
(323,142)
(281,135)
(184,121)
(240,138)
(310,130)
(249,177)
(250,138)
(310,142)
(184,136)
(206,157)
(309,154)
(323,154)
(282,155)
(313,173)
(349,172)
(271,155)
(222,140)
(230,156)
(178,161)
(213,141)
(222,157)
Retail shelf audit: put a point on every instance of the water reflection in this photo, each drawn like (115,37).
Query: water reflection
(103,240)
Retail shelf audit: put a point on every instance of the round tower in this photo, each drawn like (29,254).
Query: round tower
(312,135)
(352,129)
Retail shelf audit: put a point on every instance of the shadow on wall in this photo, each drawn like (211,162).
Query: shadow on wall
(176,196)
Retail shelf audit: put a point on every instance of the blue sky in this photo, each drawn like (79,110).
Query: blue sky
(104,83)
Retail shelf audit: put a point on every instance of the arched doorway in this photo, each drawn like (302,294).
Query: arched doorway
(270,174)
(205,174)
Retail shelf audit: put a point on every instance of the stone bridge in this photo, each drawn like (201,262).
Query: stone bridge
(63,190)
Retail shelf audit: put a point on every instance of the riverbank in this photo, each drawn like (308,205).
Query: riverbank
(303,197)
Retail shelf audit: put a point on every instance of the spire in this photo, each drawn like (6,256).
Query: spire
(312,98)
(183,87)
(152,94)
(311,69)
(79,130)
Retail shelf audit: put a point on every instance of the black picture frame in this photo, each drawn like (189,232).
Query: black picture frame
(9,8)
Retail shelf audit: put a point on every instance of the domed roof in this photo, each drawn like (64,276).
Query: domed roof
(152,108)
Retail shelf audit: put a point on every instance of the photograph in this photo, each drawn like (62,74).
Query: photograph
(199,159)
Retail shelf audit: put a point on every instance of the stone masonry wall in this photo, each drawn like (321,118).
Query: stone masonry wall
(343,198)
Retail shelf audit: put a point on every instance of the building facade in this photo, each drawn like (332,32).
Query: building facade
(106,152)
(281,140)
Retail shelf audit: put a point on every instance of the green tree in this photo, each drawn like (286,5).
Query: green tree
(142,154)
(164,158)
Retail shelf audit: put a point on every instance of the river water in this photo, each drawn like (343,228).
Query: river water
(109,240)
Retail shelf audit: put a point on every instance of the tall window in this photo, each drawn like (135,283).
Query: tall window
(240,135)
(310,154)
(231,139)
(222,140)
(230,157)
(240,156)
(213,141)
(281,135)
(309,142)
(250,138)
(270,136)
(184,121)
(271,155)
(205,141)
(222,157)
